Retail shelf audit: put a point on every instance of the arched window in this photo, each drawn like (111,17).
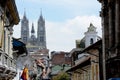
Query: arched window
(41,39)
(91,41)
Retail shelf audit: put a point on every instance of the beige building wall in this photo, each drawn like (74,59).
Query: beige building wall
(83,73)
(94,65)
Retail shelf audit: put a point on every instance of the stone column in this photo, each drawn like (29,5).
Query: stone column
(117,26)
(111,25)
(105,35)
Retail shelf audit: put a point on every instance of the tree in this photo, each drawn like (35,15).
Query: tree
(61,76)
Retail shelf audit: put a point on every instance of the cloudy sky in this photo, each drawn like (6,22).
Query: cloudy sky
(65,20)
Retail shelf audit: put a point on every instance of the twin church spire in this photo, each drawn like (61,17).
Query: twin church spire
(40,40)
(41,19)
(32,30)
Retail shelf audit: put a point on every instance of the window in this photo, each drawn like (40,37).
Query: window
(10,63)
(41,39)
(9,44)
(24,39)
(41,28)
(41,32)
(5,60)
(91,41)
(0,57)
(24,33)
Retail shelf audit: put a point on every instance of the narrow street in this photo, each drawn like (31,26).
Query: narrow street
(59,40)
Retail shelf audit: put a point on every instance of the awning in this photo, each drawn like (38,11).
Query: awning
(19,46)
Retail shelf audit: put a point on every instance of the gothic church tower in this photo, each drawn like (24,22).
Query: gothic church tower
(32,42)
(41,33)
(25,29)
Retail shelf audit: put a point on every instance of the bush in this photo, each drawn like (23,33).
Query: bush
(61,76)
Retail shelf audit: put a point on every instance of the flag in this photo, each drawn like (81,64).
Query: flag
(24,75)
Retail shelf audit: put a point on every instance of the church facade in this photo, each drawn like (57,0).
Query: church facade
(32,42)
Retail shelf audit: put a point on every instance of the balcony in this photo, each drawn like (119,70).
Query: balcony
(7,65)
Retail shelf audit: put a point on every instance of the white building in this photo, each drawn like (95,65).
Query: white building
(91,35)
(89,38)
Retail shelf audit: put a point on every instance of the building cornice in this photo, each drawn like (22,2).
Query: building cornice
(13,10)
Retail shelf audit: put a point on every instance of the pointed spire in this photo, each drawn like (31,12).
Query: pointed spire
(32,30)
(41,17)
(41,12)
(24,12)
(24,16)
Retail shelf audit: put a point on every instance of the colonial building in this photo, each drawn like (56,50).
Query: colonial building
(86,65)
(110,14)
(33,43)
(82,56)
(8,18)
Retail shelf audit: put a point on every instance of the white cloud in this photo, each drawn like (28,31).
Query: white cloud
(17,29)
(62,36)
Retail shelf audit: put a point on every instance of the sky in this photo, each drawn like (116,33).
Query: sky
(65,20)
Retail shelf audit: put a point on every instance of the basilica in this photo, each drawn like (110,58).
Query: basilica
(32,42)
